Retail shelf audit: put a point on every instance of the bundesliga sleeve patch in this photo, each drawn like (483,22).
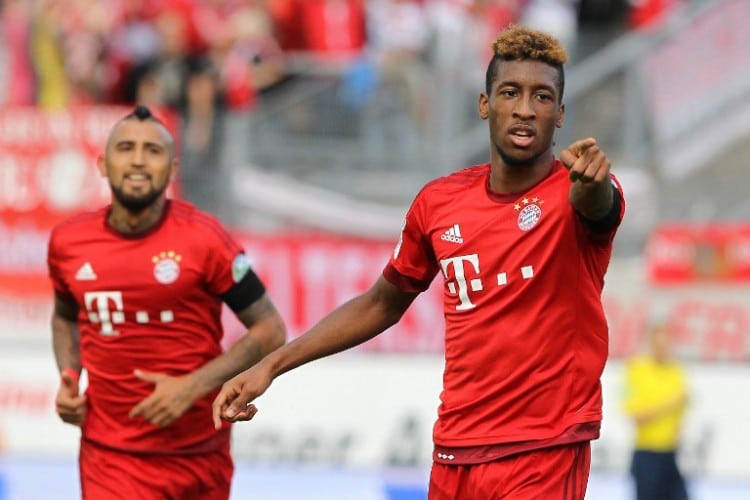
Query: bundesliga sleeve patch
(240,267)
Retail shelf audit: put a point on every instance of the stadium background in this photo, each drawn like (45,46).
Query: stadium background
(307,126)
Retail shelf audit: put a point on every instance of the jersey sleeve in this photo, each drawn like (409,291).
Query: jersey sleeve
(413,265)
(53,265)
(228,273)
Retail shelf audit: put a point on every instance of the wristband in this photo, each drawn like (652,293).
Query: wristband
(75,375)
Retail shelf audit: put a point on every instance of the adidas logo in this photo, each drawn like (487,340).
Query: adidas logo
(86,273)
(453,235)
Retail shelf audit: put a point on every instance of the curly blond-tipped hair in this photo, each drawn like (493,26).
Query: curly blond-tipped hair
(519,43)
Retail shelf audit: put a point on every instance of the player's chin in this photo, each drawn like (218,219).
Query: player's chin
(519,157)
(139,195)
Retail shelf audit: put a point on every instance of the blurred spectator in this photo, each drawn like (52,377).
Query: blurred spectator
(286,17)
(463,31)
(493,16)
(83,33)
(602,13)
(47,56)
(398,39)
(334,29)
(245,51)
(200,108)
(166,72)
(16,28)
(655,398)
(557,17)
(646,14)
(68,52)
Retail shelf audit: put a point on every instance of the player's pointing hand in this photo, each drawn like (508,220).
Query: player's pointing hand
(233,402)
(586,162)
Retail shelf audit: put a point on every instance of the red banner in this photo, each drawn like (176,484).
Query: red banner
(707,324)
(682,253)
(47,173)
(309,276)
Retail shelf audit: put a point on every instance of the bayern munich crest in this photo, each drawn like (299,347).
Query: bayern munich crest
(167,267)
(529,213)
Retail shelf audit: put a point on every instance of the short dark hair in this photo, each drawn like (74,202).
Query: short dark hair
(519,43)
(141,113)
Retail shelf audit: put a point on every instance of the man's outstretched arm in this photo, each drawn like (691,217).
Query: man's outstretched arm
(351,324)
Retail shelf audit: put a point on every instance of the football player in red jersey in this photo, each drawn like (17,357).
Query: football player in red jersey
(522,244)
(138,291)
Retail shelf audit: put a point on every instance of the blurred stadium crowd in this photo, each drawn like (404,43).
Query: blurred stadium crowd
(309,88)
(177,51)
(204,56)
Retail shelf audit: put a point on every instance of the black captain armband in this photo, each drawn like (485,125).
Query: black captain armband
(609,221)
(244,292)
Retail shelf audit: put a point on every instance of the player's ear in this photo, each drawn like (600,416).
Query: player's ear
(101,165)
(561,117)
(484,106)
(173,169)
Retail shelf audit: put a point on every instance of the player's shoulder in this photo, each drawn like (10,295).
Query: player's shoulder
(183,213)
(80,224)
(459,180)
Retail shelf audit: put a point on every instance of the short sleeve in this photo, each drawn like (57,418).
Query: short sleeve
(226,263)
(53,265)
(413,265)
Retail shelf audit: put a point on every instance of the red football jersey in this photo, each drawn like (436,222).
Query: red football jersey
(526,338)
(148,302)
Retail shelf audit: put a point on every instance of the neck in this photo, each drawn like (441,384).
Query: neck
(129,222)
(505,178)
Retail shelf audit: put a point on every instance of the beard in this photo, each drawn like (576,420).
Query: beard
(514,161)
(137,203)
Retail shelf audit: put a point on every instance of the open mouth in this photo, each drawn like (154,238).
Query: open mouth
(521,136)
(137,180)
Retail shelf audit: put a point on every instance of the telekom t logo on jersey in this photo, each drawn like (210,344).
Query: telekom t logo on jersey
(106,308)
(462,284)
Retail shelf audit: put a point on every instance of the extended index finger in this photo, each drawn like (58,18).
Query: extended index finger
(581,145)
(569,155)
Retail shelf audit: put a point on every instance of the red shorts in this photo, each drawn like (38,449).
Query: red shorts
(559,473)
(107,473)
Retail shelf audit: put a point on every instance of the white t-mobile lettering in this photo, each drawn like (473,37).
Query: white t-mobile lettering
(460,276)
(97,304)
